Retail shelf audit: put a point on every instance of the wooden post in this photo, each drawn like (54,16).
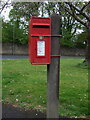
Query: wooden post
(1,71)
(53,69)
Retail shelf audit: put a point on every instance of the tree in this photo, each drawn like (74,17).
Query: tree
(21,13)
(24,11)
(69,24)
(81,13)
(16,30)
(4,4)
(81,40)
(19,18)
(7,32)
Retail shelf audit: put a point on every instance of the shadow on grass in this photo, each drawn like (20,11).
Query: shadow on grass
(83,65)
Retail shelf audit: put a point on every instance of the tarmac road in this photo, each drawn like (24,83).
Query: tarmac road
(9,111)
(26,57)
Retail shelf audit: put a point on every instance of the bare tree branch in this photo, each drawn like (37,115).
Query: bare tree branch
(80,11)
(74,31)
(78,19)
(4,6)
(85,6)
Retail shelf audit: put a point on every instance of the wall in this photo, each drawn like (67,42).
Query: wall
(9,49)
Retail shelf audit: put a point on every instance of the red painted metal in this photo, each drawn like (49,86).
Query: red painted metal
(39,26)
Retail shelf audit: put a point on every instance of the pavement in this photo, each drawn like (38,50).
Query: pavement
(4,57)
(10,111)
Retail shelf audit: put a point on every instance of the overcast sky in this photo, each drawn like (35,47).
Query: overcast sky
(6,11)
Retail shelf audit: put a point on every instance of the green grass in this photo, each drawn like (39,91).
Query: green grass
(25,85)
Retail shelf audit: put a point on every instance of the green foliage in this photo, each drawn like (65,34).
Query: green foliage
(16,30)
(19,35)
(24,10)
(7,32)
(81,40)
(67,39)
(11,33)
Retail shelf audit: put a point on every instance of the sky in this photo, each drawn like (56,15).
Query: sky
(5,12)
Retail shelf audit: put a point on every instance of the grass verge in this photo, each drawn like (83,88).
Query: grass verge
(25,85)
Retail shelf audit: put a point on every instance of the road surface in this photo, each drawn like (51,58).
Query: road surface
(26,57)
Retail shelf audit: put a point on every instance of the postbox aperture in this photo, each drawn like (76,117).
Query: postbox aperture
(39,40)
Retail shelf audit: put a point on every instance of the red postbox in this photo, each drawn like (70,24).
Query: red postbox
(39,40)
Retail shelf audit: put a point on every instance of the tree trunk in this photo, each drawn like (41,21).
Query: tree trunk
(88,45)
(87,57)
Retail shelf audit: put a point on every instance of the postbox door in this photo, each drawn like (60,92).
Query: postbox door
(41,45)
(39,40)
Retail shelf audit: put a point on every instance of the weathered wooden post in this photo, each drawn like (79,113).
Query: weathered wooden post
(53,69)
(1,70)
